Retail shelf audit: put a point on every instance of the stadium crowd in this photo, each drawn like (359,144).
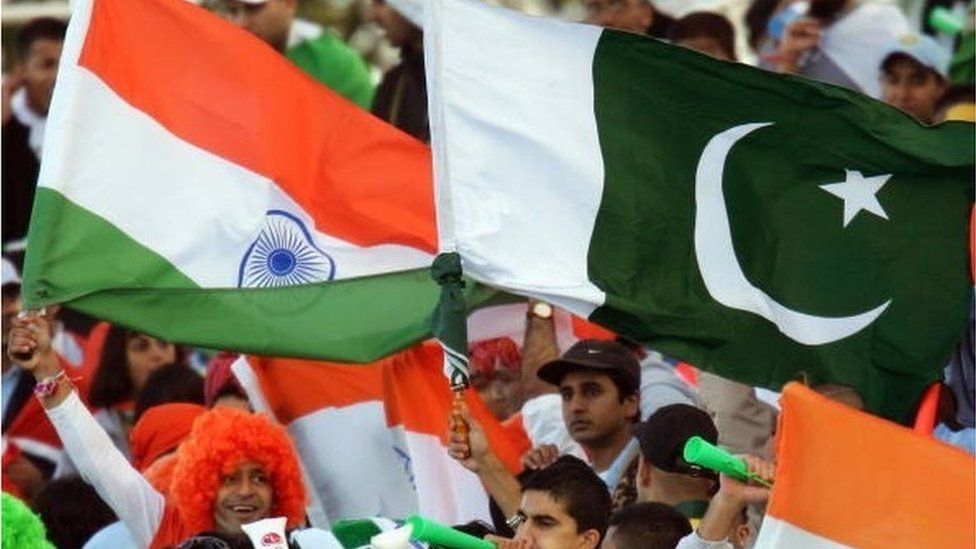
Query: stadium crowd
(115,438)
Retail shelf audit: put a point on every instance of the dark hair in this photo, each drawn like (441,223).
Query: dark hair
(41,28)
(571,482)
(649,525)
(705,24)
(957,93)
(112,383)
(72,511)
(174,382)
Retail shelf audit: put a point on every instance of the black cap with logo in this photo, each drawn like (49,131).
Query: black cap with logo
(594,354)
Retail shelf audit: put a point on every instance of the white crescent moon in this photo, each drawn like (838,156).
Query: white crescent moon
(720,269)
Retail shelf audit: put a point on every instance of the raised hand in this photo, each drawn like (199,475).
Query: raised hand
(540,457)
(471,453)
(30,342)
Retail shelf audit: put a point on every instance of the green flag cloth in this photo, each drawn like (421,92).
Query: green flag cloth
(760,226)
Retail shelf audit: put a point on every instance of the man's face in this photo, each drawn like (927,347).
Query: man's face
(912,87)
(397,29)
(592,409)
(40,70)
(244,496)
(548,526)
(628,15)
(270,21)
(500,390)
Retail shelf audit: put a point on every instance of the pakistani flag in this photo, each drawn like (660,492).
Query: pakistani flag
(197,186)
(764,227)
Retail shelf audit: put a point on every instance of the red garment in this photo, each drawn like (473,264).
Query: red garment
(160,430)
(32,431)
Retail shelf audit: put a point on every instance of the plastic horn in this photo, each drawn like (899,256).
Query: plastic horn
(429,531)
(701,452)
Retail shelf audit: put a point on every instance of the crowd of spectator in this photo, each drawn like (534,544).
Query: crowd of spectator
(116,438)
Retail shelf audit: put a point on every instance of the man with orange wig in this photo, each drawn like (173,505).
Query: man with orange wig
(233,469)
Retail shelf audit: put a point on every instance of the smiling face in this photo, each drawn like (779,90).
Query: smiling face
(592,408)
(245,495)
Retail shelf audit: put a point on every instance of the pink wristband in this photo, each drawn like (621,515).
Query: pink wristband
(47,387)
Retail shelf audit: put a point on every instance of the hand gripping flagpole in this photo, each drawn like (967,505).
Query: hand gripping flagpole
(449,325)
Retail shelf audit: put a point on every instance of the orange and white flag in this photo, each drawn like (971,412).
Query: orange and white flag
(373,438)
(850,479)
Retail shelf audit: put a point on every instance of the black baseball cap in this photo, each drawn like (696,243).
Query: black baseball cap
(663,436)
(593,354)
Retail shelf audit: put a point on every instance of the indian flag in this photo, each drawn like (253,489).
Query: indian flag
(198,187)
(761,226)
(373,438)
(845,478)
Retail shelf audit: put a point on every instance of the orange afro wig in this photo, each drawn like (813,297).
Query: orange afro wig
(220,441)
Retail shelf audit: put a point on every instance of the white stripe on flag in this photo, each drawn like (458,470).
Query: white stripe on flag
(511,129)
(777,533)
(245,375)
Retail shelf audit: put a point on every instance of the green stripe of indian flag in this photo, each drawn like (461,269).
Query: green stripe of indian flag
(549,146)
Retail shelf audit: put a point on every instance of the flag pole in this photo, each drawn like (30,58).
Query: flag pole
(449,324)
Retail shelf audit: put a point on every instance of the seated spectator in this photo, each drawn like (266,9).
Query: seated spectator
(662,475)
(705,32)
(496,373)
(957,103)
(840,42)
(314,50)
(234,468)
(128,359)
(563,505)
(32,450)
(170,383)
(646,526)
(599,385)
(401,98)
(727,506)
(27,92)
(72,511)
(913,76)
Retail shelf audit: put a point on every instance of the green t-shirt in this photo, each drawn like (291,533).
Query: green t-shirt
(333,63)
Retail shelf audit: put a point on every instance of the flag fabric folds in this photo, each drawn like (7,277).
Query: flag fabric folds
(373,437)
(197,186)
(845,478)
(761,226)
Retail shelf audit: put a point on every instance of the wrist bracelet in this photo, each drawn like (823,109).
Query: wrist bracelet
(48,386)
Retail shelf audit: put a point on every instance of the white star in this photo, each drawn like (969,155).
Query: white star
(859,193)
